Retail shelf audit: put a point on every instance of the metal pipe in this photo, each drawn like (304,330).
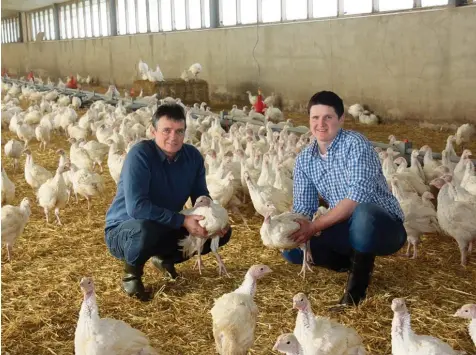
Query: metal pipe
(100,20)
(283,10)
(238,12)
(84,19)
(71,27)
(20,27)
(159,14)
(147,7)
(136,11)
(83,94)
(310,9)
(405,148)
(202,14)
(232,119)
(340,8)
(259,11)
(216,13)
(187,14)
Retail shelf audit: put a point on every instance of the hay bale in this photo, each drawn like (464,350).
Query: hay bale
(190,92)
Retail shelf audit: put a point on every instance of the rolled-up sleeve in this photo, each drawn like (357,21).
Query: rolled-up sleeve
(305,194)
(363,171)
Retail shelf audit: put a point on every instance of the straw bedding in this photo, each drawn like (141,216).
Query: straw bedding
(41,296)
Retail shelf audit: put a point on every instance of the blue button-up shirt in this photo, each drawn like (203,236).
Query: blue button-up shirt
(351,170)
(153,187)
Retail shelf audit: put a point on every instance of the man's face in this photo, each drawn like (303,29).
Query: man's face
(169,135)
(324,123)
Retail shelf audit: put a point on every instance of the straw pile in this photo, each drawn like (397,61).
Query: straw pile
(190,92)
(41,296)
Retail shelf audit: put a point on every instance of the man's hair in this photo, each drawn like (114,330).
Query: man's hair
(327,98)
(173,112)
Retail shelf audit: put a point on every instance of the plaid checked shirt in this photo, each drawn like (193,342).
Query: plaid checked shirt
(352,170)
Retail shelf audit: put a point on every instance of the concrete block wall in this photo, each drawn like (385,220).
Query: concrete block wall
(412,65)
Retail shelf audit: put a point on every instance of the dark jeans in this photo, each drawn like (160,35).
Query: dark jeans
(370,229)
(137,240)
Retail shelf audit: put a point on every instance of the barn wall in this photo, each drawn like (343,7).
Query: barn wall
(416,65)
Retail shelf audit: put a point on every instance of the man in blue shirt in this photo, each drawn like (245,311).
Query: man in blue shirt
(364,219)
(143,222)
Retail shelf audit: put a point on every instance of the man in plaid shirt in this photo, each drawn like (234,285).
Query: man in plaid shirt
(364,219)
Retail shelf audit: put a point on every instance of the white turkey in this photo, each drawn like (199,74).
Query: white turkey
(321,335)
(8,188)
(288,344)
(468,311)
(262,194)
(406,342)
(86,183)
(35,175)
(215,220)
(456,218)
(420,215)
(276,231)
(355,110)
(106,336)
(14,220)
(14,150)
(465,134)
(53,194)
(195,69)
(234,315)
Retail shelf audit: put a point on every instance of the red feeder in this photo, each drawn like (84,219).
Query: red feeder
(259,105)
(72,83)
(30,76)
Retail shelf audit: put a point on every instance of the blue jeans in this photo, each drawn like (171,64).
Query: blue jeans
(370,229)
(137,240)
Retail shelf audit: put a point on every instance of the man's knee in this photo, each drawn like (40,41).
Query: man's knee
(371,223)
(362,229)
(142,234)
(146,227)
(294,256)
(365,212)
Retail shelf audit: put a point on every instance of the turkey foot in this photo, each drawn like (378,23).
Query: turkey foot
(58,221)
(305,262)
(221,265)
(199,264)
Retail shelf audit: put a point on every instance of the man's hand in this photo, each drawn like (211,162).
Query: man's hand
(223,231)
(305,232)
(193,227)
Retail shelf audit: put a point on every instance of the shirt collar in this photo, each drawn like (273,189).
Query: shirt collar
(315,146)
(163,157)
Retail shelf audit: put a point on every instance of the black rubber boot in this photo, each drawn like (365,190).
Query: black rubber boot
(362,265)
(132,282)
(164,266)
(338,262)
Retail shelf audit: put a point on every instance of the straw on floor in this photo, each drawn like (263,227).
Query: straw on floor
(41,296)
